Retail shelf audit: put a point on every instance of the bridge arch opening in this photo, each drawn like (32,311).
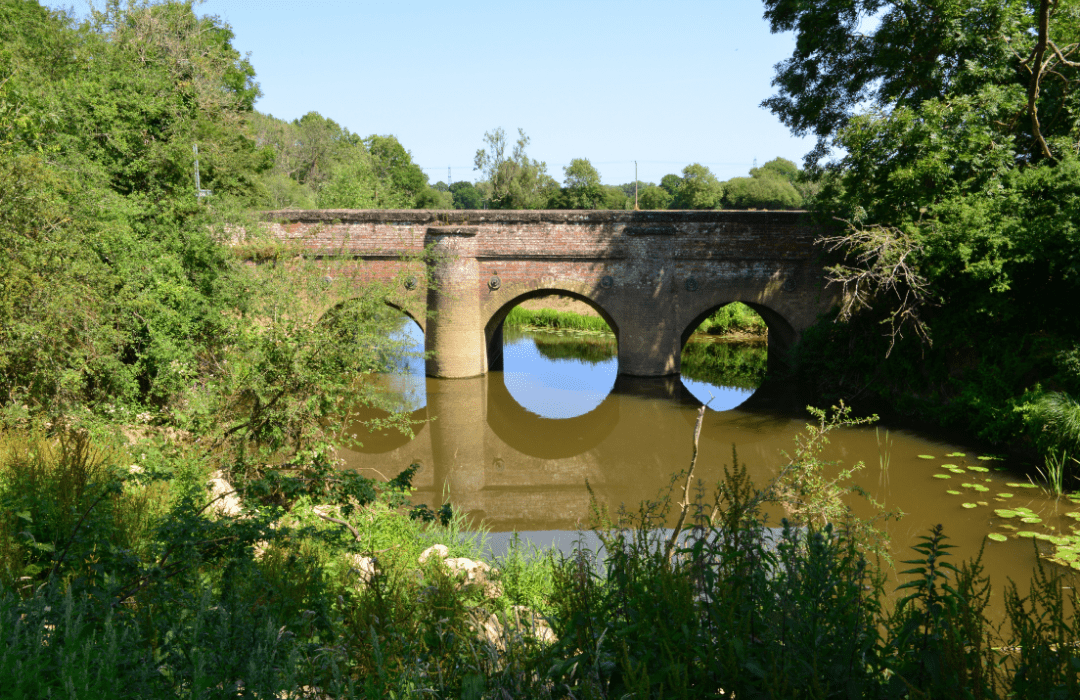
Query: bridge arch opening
(556,351)
(727,349)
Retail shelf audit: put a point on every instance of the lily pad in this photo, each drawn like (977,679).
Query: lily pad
(978,469)
(997,537)
(1005,495)
(968,486)
(1074,515)
(1018,485)
(926,456)
(1027,533)
(956,454)
(1005,513)
(951,492)
(942,476)
(950,466)
(982,503)
(988,457)
(980,488)
(1031,520)
(957,470)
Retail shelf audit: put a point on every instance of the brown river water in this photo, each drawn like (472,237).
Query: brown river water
(514,450)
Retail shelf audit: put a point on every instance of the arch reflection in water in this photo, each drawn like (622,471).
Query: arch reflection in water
(558,376)
(501,463)
(723,374)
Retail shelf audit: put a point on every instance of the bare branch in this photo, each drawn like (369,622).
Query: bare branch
(353,530)
(685,504)
(880,262)
(1037,68)
(1061,55)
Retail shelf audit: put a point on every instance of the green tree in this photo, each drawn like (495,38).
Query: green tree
(432,198)
(699,189)
(515,181)
(777,167)
(767,192)
(671,184)
(653,197)
(959,179)
(919,51)
(582,183)
(400,180)
(466,195)
(772,186)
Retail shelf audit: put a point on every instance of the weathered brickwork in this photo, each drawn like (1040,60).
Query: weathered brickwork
(654,276)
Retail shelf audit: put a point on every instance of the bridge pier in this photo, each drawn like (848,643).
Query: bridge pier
(455,333)
(649,345)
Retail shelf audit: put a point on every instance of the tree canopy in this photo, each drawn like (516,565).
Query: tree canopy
(958,176)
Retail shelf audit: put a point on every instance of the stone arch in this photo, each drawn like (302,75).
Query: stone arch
(782,334)
(417,318)
(494,310)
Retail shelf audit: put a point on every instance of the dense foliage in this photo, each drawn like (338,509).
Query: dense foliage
(119,298)
(959,185)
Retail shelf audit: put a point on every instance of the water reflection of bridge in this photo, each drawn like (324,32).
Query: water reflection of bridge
(517,470)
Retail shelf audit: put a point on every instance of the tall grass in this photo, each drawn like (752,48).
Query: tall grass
(734,318)
(520,317)
(229,606)
(1055,420)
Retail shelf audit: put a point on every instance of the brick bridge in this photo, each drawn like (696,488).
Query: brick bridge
(653,276)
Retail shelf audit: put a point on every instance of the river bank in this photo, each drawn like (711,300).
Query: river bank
(734,322)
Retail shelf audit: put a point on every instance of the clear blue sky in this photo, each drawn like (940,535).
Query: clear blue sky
(664,83)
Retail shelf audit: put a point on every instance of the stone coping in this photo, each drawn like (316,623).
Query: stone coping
(459,217)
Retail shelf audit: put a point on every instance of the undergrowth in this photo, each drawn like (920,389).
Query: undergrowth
(130,583)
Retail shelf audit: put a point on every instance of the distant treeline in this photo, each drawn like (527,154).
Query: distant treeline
(317,163)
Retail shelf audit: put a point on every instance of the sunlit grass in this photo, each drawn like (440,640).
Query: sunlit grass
(520,317)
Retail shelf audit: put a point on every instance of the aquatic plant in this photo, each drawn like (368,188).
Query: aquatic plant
(1055,472)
